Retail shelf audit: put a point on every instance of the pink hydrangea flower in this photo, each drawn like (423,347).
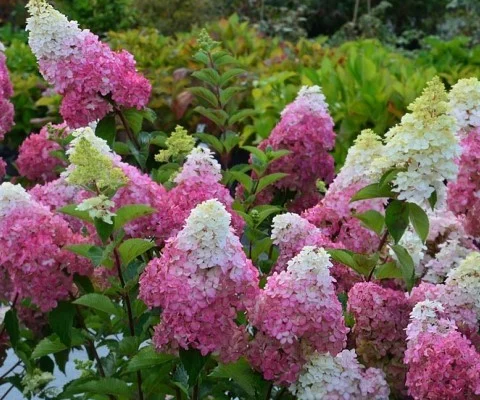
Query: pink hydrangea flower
(201,281)
(81,68)
(297,313)
(6,91)
(463,194)
(35,160)
(31,249)
(199,180)
(306,130)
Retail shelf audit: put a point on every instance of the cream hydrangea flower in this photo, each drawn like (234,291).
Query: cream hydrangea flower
(200,162)
(424,144)
(314,95)
(311,259)
(11,196)
(464,101)
(179,143)
(98,207)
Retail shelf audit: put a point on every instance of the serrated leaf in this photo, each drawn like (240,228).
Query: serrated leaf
(407,265)
(371,192)
(241,115)
(205,94)
(147,357)
(71,209)
(268,180)
(223,58)
(396,219)
(419,220)
(201,57)
(208,75)
(52,344)
(132,248)
(60,320)
(98,302)
(129,213)
(373,220)
(230,74)
(388,271)
(244,179)
(227,94)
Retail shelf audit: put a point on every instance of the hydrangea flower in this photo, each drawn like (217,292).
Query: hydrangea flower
(35,160)
(306,129)
(31,249)
(198,180)
(98,207)
(464,101)
(6,92)
(81,68)
(297,312)
(201,281)
(330,377)
(424,144)
(179,144)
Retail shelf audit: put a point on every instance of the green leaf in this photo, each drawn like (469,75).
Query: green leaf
(266,212)
(419,220)
(130,212)
(107,129)
(193,362)
(373,220)
(98,302)
(105,386)
(104,229)
(230,74)
(208,75)
(371,192)
(201,57)
(12,327)
(218,117)
(52,344)
(227,94)
(121,148)
(396,219)
(268,180)
(243,375)
(344,257)
(71,209)
(241,115)
(244,179)
(276,154)
(211,140)
(388,271)
(134,119)
(407,265)
(148,114)
(205,94)
(256,152)
(147,357)
(132,248)
(432,200)
(389,176)
(60,320)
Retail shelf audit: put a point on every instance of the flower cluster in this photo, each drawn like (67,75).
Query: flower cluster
(35,160)
(199,180)
(464,101)
(201,281)
(6,91)
(84,70)
(179,144)
(424,145)
(31,249)
(339,377)
(306,130)
(295,314)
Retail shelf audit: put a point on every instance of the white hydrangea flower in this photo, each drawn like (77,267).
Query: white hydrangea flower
(314,97)
(425,144)
(13,196)
(358,164)
(340,377)
(88,134)
(51,35)
(98,207)
(2,47)
(312,260)
(34,381)
(205,234)
(426,317)
(289,227)
(466,280)
(464,100)
(200,162)
(449,256)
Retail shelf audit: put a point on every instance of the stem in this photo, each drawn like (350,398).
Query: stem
(130,134)
(355,12)
(178,393)
(10,370)
(126,298)
(269,392)
(383,240)
(195,392)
